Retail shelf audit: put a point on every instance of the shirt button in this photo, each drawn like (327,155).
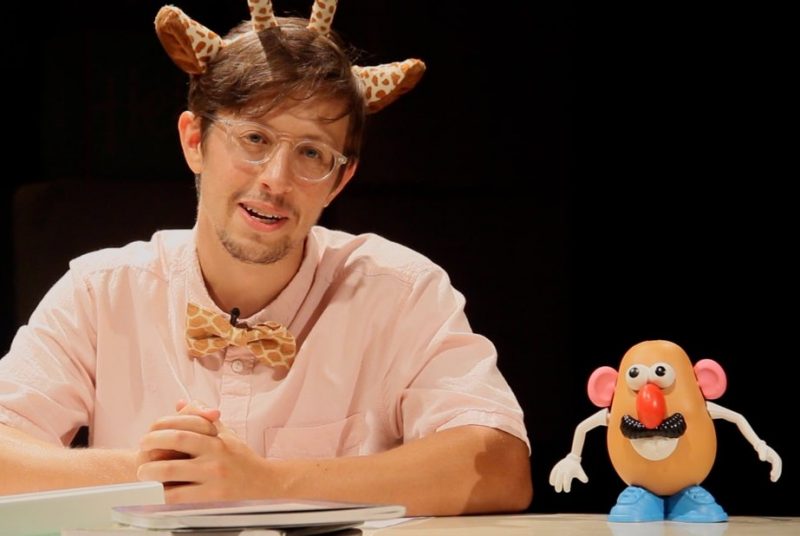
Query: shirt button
(237,366)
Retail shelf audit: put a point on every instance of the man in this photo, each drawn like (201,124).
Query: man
(310,363)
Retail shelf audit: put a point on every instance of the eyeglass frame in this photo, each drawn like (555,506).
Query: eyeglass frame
(339,158)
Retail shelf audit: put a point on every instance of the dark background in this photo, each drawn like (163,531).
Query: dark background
(590,177)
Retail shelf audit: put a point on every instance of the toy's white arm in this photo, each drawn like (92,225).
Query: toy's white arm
(570,467)
(765,453)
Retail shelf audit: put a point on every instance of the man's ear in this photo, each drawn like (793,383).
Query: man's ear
(191,140)
(347,174)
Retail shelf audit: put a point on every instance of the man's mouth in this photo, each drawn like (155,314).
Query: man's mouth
(267,218)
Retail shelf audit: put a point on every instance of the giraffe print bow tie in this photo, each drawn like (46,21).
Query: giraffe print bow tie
(208,332)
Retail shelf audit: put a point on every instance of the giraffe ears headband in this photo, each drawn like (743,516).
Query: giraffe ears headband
(191,46)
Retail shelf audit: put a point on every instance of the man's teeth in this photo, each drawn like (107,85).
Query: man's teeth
(261,214)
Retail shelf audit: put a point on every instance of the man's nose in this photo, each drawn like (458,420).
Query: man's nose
(276,173)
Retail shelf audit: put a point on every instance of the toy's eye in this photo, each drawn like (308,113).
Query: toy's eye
(636,376)
(662,374)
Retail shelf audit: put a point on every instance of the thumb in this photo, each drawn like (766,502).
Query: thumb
(198,408)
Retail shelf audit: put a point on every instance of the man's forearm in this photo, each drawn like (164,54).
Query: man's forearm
(469,469)
(28,464)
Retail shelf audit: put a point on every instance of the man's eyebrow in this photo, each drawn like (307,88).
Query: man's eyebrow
(323,136)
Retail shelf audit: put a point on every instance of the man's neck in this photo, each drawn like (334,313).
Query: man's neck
(249,287)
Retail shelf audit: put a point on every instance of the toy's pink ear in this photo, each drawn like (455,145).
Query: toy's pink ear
(711,378)
(601,386)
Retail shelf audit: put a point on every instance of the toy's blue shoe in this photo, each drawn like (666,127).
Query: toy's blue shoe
(637,505)
(694,505)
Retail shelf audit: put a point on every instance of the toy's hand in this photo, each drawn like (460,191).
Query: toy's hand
(565,470)
(766,454)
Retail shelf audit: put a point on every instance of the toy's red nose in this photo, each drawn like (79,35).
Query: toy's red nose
(650,405)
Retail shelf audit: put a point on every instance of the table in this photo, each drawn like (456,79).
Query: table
(585,524)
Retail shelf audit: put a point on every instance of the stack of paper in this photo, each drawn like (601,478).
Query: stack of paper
(254,513)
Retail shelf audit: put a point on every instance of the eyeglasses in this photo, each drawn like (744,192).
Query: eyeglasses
(256,144)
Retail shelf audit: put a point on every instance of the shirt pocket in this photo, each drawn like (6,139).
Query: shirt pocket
(331,440)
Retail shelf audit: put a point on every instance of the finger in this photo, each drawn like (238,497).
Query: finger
(582,476)
(184,493)
(191,443)
(183,405)
(199,409)
(189,423)
(211,414)
(163,454)
(169,472)
(559,483)
(224,431)
(777,469)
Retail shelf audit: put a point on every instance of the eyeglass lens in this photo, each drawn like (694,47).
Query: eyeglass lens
(310,159)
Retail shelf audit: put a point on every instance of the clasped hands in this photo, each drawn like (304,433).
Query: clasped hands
(198,458)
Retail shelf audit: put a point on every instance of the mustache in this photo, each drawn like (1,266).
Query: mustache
(672,427)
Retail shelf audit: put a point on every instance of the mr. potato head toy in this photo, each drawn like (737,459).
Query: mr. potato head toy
(661,438)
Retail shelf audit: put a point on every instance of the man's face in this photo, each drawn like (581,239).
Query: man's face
(262,213)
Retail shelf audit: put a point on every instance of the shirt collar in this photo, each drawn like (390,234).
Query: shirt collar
(282,309)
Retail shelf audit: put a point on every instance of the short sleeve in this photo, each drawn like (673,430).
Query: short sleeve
(47,377)
(450,373)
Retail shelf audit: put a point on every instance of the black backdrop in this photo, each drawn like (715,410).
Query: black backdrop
(590,177)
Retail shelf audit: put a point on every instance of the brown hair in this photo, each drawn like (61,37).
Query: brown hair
(259,72)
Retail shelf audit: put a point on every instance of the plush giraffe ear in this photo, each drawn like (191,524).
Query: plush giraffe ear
(322,15)
(262,15)
(383,84)
(189,44)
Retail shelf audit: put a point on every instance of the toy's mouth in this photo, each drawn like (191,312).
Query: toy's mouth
(671,427)
(654,443)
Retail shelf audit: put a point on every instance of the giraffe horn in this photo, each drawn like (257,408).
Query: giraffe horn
(322,15)
(190,44)
(262,15)
(383,84)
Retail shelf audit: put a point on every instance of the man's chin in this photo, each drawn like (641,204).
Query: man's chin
(255,252)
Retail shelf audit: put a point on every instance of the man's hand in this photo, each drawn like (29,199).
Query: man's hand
(197,457)
(467,469)
(193,417)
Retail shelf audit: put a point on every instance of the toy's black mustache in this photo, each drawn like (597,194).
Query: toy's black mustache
(674,426)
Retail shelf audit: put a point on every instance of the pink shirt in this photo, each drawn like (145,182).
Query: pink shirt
(385,355)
